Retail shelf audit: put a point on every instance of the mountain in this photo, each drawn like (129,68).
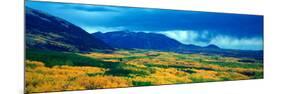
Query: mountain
(212,46)
(140,40)
(44,31)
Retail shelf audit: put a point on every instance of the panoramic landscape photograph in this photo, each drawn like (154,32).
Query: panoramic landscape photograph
(87,47)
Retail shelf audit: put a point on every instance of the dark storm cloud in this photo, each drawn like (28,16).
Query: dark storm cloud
(233,31)
(88,8)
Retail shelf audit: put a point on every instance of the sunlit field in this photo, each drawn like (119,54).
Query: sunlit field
(57,71)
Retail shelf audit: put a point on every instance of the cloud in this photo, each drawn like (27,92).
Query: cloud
(233,31)
(88,8)
(102,29)
(228,42)
(185,37)
(153,20)
(204,38)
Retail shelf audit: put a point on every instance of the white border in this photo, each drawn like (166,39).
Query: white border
(11,39)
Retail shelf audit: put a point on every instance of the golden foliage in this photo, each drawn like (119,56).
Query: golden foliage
(111,60)
(204,75)
(102,82)
(103,55)
(40,78)
(153,68)
(164,76)
(231,76)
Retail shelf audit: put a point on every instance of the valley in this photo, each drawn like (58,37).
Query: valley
(57,71)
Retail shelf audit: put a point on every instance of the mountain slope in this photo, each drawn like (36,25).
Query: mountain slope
(44,31)
(141,40)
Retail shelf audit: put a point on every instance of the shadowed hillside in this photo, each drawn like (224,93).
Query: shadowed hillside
(44,31)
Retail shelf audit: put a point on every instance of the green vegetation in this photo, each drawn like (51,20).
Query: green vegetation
(236,64)
(56,71)
(53,58)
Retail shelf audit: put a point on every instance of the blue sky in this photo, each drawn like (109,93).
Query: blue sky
(230,31)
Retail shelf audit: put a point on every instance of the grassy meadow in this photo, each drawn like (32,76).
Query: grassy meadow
(57,71)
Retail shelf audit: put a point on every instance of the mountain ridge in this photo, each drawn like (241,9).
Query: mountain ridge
(44,31)
(142,40)
(116,39)
(131,40)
